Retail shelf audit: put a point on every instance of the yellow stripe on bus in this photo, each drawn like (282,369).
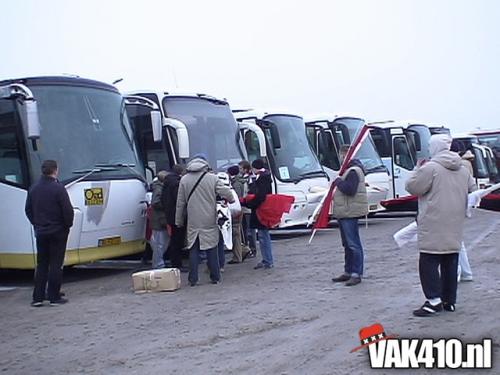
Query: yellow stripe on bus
(89,254)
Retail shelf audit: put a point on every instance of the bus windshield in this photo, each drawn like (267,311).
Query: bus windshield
(367,154)
(211,127)
(294,160)
(84,129)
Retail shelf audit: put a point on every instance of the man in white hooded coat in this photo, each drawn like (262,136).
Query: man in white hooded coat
(442,185)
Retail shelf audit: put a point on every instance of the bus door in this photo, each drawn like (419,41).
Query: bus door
(402,164)
(156,156)
(17,238)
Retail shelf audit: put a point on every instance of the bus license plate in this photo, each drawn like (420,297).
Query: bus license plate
(109,241)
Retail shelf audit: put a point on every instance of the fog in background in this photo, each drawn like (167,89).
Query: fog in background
(436,61)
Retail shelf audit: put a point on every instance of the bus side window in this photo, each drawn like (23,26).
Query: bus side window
(252,146)
(10,158)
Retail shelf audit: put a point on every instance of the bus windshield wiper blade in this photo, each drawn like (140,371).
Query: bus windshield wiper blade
(114,165)
(130,166)
(312,173)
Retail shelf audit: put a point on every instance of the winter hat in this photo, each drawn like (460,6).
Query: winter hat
(438,143)
(200,156)
(233,170)
(258,164)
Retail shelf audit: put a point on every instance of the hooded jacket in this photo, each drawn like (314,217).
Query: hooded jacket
(351,199)
(442,185)
(201,210)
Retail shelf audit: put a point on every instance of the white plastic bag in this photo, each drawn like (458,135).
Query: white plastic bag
(406,235)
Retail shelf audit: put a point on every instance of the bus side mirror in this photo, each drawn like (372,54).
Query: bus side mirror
(156,126)
(32,121)
(182,136)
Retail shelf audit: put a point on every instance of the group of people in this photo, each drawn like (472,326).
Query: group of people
(184,206)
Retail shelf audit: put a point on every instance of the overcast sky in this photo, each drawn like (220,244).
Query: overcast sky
(436,61)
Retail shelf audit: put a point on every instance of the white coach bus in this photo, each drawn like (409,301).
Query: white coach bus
(82,124)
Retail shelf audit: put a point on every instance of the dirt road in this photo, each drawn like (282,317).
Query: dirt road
(288,320)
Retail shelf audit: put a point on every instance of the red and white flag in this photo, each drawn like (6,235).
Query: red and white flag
(320,217)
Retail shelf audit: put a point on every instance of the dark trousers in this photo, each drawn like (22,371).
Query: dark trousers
(438,276)
(249,236)
(175,246)
(212,262)
(51,249)
(221,256)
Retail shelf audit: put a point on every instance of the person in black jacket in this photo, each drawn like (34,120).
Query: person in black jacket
(169,202)
(50,211)
(261,188)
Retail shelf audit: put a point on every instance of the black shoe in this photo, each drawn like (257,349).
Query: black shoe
(428,310)
(252,254)
(355,280)
(60,301)
(215,282)
(341,278)
(36,304)
(232,261)
(449,306)
(192,284)
(259,266)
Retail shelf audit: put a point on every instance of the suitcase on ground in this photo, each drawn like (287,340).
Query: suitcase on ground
(160,280)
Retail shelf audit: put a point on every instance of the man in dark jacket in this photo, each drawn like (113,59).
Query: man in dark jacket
(261,188)
(169,202)
(50,211)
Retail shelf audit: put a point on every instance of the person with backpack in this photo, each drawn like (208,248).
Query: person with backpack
(196,209)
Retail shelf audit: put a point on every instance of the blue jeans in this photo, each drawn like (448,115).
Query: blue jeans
(353,250)
(220,252)
(266,249)
(212,261)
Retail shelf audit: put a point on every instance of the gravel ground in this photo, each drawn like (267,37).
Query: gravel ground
(288,320)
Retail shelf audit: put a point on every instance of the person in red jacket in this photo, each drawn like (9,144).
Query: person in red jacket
(261,188)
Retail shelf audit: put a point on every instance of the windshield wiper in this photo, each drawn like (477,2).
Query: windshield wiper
(130,166)
(306,175)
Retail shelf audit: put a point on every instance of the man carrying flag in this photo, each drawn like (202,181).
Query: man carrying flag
(350,201)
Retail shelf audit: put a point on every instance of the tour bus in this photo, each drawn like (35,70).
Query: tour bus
(280,138)
(490,138)
(397,145)
(191,124)
(82,124)
(327,133)
(483,165)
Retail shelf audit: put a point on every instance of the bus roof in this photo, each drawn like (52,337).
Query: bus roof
(261,113)
(61,81)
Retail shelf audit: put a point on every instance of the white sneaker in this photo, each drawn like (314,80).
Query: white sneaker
(467,278)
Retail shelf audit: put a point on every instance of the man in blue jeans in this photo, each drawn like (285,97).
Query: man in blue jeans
(260,188)
(351,202)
